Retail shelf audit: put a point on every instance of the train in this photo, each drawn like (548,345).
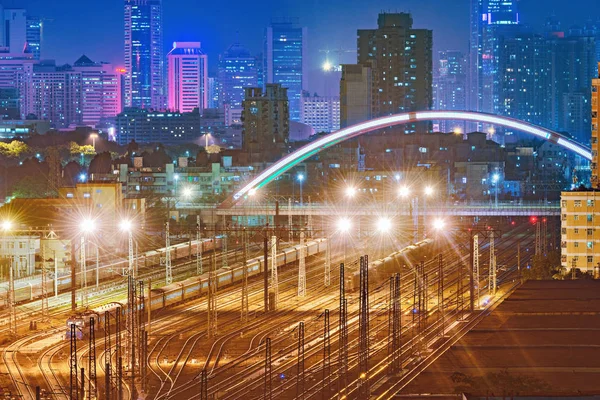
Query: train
(381,270)
(178,292)
(107,271)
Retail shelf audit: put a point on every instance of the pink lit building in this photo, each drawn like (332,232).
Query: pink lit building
(187,77)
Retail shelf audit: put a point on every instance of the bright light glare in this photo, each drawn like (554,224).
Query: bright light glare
(327,66)
(457,130)
(384,225)
(404,191)
(82,177)
(428,190)
(187,192)
(126,225)
(350,191)
(87,225)
(6,225)
(344,224)
(300,177)
(439,224)
(495,178)
(251,192)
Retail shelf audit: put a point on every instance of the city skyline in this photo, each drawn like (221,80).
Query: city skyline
(67,35)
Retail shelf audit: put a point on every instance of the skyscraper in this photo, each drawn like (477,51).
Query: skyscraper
(188,77)
(144,63)
(34,36)
(286,61)
(100,90)
(489,20)
(322,113)
(237,71)
(451,86)
(400,59)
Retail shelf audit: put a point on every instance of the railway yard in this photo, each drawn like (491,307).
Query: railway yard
(326,341)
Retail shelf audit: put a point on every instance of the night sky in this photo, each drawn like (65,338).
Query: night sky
(96,27)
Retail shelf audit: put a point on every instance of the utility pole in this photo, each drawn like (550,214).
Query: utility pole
(198,247)
(266,269)
(326,381)
(397,327)
(363,345)
(11,297)
(290,220)
(168,270)
(342,338)
(544,236)
(476,268)
(212,295)
(300,364)
(84,294)
(225,250)
(245,278)
(274,277)
(302,268)
(492,273)
(119,358)
(44,280)
(538,242)
(73,276)
(74,390)
(268,384)
(328,263)
(92,383)
(203,385)
(309,218)
(107,355)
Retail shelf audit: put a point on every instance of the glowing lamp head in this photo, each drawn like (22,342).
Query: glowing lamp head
(457,130)
(350,191)
(6,225)
(384,225)
(82,177)
(300,177)
(327,66)
(187,192)
(495,178)
(126,225)
(439,224)
(252,192)
(428,191)
(87,225)
(344,224)
(404,191)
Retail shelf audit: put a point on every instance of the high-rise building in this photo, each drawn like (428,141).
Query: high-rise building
(573,67)
(34,36)
(400,59)
(100,90)
(144,62)
(451,87)
(266,126)
(356,94)
(525,78)
(188,77)
(322,113)
(15,30)
(146,126)
(580,209)
(51,93)
(489,20)
(237,71)
(213,93)
(285,61)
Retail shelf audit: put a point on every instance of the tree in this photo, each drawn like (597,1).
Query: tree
(544,266)
(31,187)
(14,149)
(101,164)
(86,149)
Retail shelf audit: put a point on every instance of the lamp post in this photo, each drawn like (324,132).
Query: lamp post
(495,180)
(405,193)
(94,136)
(343,226)
(300,178)
(87,227)
(127,227)
(6,227)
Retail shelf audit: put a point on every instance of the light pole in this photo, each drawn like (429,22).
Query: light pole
(300,178)
(343,226)
(127,227)
(6,227)
(94,136)
(495,180)
(87,227)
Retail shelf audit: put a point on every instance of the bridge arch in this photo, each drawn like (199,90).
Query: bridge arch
(334,138)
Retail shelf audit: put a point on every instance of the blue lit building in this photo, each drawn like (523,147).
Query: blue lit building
(237,71)
(490,19)
(285,61)
(144,61)
(450,87)
(34,36)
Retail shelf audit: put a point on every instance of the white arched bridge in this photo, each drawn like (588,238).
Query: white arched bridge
(334,138)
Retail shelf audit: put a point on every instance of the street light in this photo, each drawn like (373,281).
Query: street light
(300,178)
(252,192)
(495,180)
(404,191)
(344,224)
(384,225)
(439,224)
(127,226)
(187,193)
(6,225)
(94,136)
(350,191)
(86,227)
(429,190)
